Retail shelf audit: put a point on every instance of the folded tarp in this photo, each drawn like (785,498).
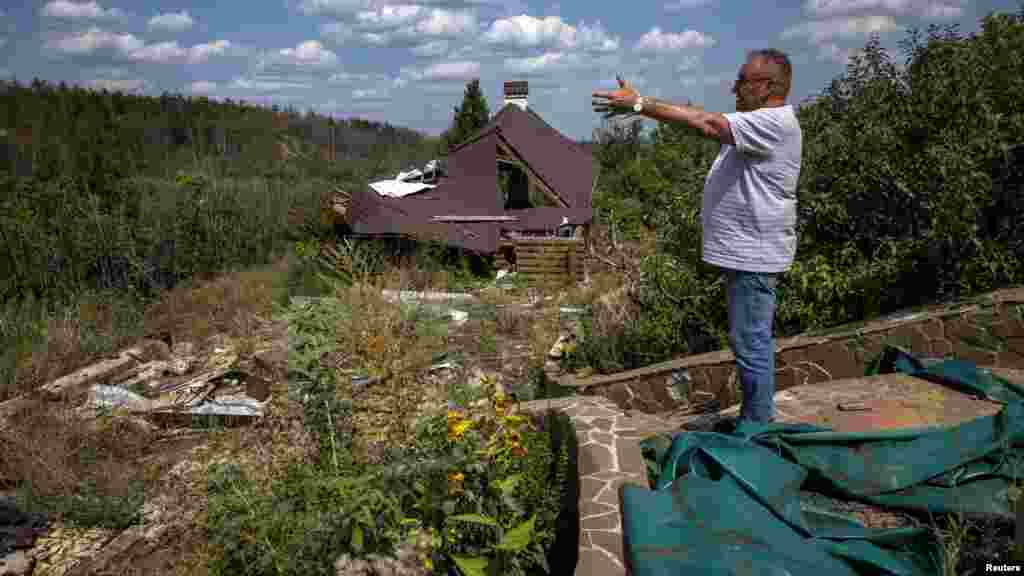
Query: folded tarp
(737,510)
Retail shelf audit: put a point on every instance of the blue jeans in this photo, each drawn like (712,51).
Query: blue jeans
(751,298)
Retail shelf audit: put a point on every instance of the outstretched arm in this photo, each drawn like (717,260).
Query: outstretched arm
(709,124)
(620,102)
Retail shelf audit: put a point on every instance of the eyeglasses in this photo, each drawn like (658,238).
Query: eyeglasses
(741,79)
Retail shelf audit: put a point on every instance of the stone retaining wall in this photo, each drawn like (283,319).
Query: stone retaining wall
(609,457)
(617,411)
(988,331)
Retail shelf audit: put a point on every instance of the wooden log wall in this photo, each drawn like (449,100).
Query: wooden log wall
(550,261)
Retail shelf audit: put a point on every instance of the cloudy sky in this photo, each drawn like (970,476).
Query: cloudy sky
(407,61)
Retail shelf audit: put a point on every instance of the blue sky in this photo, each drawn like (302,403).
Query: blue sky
(407,62)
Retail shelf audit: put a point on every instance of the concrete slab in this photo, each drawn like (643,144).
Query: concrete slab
(890,401)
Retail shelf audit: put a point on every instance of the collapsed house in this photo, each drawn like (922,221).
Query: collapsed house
(517,188)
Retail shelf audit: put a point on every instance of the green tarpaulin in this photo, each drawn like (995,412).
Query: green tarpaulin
(737,509)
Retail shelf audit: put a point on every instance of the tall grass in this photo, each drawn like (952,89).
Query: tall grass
(66,251)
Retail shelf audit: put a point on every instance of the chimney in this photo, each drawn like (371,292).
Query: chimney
(516,93)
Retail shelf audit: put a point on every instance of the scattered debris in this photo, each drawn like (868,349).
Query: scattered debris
(114,397)
(853,407)
(409,296)
(458,316)
(17,563)
(678,385)
(17,529)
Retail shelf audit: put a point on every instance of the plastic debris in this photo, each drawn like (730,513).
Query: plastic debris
(115,397)
(412,296)
(458,316)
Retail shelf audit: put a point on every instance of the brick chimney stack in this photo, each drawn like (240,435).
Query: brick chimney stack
(516,93)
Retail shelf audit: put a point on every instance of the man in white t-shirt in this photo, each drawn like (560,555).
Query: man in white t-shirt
(749,205)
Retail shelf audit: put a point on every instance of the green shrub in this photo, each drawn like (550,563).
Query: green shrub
(907,173)
(306,521)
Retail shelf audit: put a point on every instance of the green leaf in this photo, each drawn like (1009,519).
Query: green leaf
(471,565)
(510,483)
(357,538)
(518,538)
(474,519)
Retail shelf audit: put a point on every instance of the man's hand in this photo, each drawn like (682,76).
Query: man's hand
(616,103)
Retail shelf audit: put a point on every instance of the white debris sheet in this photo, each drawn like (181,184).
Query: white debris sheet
(398,188)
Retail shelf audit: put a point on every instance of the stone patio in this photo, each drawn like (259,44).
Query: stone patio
(610,455)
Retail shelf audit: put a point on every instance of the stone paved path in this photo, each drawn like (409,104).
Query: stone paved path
(610,455)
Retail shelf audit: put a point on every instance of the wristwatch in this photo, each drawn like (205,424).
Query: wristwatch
(638,106)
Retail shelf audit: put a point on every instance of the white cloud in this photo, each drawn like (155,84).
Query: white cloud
(822,30)
(122,85)
(529,32)
(687,63)
(678,5)
(80,11)
(389,16)
(447,23)
(440,73)
(371,94)
(202,52)
(656,41)
(96,39)
(690,80)
(171,21)
(202,87)
(308,54)
(458,70)
(266,84)
(164,52)
(130,47)
(547,62)
(349,77)
(336,8)
(932,9)
(431,49)
(337,32)
(160,52)
(835,54)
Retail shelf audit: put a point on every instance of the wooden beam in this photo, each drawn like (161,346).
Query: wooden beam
(503,146)
(458,218)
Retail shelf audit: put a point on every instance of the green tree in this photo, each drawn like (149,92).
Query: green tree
(469,118)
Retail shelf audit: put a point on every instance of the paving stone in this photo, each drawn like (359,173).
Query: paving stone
(610,542)
(1016,345)
(612,474)
(597,563)
(610,494)
(604,423)
(979,356)
(603,438)
(630,456)
(589,488)
(609,521)
(595,457)
(1010,359)
(941,348)
(593,509)
(597,412)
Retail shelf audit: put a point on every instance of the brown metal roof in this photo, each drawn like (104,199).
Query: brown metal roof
(471,187)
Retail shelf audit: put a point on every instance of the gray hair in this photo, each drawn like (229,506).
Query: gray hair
(783,69)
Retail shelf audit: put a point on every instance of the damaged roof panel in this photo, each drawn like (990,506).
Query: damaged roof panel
(471,188)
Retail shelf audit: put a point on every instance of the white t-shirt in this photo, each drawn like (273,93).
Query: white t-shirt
(749,207)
